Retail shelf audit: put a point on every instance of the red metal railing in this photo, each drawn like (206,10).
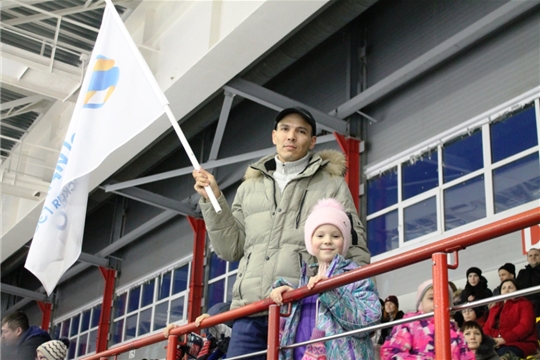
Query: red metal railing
(435,251)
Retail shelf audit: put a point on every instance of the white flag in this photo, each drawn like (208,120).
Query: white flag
(119,98)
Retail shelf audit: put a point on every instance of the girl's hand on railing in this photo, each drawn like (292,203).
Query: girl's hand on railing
(167,329)
(315,279)
(201,318)
(276,294)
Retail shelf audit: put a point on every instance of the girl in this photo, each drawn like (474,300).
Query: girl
(327,235)
(416,340)
(481,345)
(391,312)
(476,287)
(53,350)
(512,324)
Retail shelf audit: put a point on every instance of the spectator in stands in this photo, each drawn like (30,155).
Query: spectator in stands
(264,226)
(476,287)
(19,339)
(391,312)
(512,324)
(476,314)
(53,350)
(507,271)
(415,340)
(480,344)
(530,276)
(350,307)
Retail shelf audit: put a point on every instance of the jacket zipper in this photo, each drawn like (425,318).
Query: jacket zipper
(300,209)
(244,275)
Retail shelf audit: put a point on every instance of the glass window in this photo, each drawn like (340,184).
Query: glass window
(420,219)
(145,319)
(56,331)
(72,347)
(216,290)
(160,317)
(217,266)
(92,341)
(233,265)
(517,183)
(164,285)
(134,297)
(120,305)
(65,328)
(382,233)
(131,327)
(83,342)
(513,135)
(148,293)
(180,279)
(464,203)
(75,325)
(230,283)
(463,156)
(96,314)
(177,309)
(382,191)
(420,176)
(85,320)
(118,328)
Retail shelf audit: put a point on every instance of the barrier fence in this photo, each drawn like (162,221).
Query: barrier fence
(436,251)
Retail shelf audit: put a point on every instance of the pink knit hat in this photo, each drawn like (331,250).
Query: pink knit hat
(328,211)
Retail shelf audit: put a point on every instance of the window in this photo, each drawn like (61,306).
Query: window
(485,169)
(222,275)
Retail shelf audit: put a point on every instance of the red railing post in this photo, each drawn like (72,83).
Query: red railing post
(351,148)
(442,305)
(273,332)
(46,309)
(171,347)
(106,305)
(197,269)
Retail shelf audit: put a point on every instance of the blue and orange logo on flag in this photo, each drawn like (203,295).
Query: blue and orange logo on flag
(102,84)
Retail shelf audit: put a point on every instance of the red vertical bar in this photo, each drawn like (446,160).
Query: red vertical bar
(442,306)
(171,347)
(197,269)
(351,149)
(46,310)
(273,332)
(105,318)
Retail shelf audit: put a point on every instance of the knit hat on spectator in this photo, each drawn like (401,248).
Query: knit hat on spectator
(328,212)
(393,299)
(475,270)
(423,289)
(54,349)
(511,268)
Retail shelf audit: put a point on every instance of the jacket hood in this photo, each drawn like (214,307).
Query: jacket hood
(486,349)
(333,162)
(34,331)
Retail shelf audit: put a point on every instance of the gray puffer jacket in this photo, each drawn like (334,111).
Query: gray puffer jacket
(264,228)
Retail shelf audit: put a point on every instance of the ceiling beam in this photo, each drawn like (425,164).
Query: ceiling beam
(25,293)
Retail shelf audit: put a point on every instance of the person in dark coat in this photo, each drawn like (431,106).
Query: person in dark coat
(482,345)
(507,271)
(476,287)
(19,339)
(530,276)
(512,324)
(391,312)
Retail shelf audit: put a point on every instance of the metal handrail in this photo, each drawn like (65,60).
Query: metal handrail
(451,244)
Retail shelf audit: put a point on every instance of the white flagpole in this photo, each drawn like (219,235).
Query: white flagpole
(191,155)
(165,103)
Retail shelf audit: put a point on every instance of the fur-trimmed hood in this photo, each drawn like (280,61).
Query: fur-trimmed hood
(486,350)
(332,161)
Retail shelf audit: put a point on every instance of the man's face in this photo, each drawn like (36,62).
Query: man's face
(292,138)
(10,336)
(503,275)
(533,258)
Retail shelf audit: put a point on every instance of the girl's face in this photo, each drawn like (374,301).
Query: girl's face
(468,315)
(390,307)
(327,241)
(473,279)
(473,337)
(508,287)
(427,301)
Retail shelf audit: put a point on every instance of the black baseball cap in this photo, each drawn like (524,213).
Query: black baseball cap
(300,111)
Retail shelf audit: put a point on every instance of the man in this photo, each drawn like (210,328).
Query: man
(19,339)
(507,271)
(264,228)
(530,276)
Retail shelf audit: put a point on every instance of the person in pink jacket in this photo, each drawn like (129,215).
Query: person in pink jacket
(512,324)
(416,340)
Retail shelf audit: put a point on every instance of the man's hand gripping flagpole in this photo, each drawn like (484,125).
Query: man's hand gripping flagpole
(192,157)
